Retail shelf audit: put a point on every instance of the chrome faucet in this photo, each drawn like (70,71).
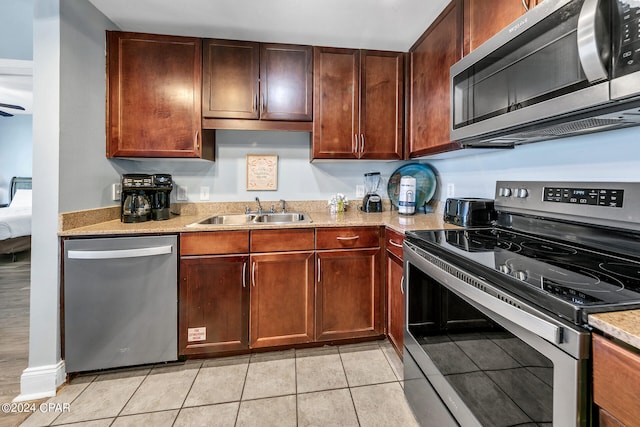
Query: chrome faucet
(284,205)
(259,206)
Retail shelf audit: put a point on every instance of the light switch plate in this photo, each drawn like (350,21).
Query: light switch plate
(451,190)
(204,193)
(181,193)
(116,191)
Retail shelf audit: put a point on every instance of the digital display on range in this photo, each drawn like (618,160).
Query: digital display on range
(585,196)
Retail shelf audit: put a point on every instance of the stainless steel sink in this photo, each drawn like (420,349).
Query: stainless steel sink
(249,219)
(282,218)
(238,219)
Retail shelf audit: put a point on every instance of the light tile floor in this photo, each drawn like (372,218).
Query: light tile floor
(351,385)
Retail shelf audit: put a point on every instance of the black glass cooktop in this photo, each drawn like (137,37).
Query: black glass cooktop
(566,279)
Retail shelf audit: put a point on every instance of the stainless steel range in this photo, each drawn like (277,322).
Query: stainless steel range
(496,330)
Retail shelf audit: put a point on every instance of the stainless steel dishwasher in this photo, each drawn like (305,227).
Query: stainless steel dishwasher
(120,302)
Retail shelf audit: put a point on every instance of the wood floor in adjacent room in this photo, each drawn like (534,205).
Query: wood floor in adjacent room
(14,329)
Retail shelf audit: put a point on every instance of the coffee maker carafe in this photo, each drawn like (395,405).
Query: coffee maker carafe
(135,198)
(372,202)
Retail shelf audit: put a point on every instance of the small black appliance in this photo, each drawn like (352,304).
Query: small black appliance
(145,197)
(372,202)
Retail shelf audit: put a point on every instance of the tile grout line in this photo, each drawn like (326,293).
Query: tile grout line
(244,383)
(187,394)
(355,410)
(74,399)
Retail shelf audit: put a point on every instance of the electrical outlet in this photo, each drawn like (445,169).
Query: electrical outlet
(451,190)
(181,193)
(359,190)
(204,193)
(116,191)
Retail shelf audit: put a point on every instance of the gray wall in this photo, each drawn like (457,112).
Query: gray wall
(15,151)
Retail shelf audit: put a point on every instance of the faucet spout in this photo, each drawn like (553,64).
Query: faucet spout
(259,205)
(284,205)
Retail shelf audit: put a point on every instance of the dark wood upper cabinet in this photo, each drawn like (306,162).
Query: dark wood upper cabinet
(431,57)
(358,104)
(249,80)
(230,79)
(286,82)
(153,96)
(484,19)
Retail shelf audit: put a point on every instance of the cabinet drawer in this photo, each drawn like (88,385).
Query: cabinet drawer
(285,239)
(616,380)
(347,237)
(214,243)
(393,242)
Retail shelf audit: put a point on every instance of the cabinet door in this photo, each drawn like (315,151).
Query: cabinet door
(483,19)
(336,103)
(154,86)
(230,79)
(282,296)
(286,82)
(430,99)
(381,105)
(348,294)
(395,290)
(213,305)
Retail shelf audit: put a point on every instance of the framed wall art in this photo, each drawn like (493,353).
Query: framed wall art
(262,172)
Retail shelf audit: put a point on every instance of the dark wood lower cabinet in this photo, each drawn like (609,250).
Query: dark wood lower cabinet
(395,290)
(214,305)
(348,294)
(282,296)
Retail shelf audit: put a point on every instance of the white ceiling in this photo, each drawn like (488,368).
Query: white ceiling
(365,24)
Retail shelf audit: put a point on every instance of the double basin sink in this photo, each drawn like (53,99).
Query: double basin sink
(255,219)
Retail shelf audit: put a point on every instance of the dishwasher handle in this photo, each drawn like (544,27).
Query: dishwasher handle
(121,253)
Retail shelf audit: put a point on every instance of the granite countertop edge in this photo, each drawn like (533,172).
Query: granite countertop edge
(621,325)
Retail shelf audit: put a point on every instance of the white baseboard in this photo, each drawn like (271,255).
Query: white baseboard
(41,381)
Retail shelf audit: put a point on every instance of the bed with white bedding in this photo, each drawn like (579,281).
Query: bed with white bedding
(15,219)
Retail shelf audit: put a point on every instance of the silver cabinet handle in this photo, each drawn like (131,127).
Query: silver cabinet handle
(121,253)
(362,143)
(588,51)
(392,243)
(525,5)
(263,107)
(196,143)
(253,274)
(402,285)
(354,146)
(244,274)
(318,269)
(348,238)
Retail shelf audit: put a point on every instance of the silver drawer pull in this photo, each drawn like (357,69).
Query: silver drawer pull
(348,238)
(397,245)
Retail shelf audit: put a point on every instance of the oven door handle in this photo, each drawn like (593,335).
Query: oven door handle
(540,327)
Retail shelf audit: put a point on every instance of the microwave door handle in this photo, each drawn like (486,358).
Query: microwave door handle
(588,52)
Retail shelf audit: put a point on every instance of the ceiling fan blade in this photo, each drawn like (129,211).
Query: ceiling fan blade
(3,114)
(15,107)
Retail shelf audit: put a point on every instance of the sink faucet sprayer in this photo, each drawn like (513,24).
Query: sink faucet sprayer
(259,206)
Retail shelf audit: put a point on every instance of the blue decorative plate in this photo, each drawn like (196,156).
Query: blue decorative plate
(425,183)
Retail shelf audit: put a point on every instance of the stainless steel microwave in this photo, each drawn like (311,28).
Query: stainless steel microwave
(566,67)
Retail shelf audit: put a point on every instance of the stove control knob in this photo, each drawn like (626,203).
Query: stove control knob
(522,193)
(504,268)
(520,275)
(504,192)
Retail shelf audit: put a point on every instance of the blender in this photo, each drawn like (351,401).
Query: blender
(372,201)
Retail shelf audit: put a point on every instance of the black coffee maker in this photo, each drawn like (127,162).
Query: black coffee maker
(161,196)
(145,197)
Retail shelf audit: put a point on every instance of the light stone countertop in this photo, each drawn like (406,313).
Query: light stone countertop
(105,221)
(623,325)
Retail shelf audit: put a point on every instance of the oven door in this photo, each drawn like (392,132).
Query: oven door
(487,361)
